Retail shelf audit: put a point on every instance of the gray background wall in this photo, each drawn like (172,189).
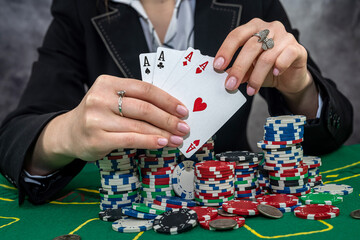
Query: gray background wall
(330,29)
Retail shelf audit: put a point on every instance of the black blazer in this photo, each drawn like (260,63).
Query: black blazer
(85,40)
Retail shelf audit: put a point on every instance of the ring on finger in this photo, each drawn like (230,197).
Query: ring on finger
(120,100)
(267,43)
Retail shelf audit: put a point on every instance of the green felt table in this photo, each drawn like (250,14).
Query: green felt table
(77,211)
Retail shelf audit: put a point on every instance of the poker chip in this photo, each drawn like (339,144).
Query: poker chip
(215,166)
(176,201)
(278,200)
(316,211)
(142,207)
(241,207)
(168,205)
(289,209)
(128,211)
(213,225)
(131,225)
(155,206)
(175,221)
(183,179)
(219,200)
(111,215)
(340,189)
(205,213)
(285,119)
(321,198)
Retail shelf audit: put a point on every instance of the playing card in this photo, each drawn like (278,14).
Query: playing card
(186,62)
(165,62)
(147,61)
(210,105)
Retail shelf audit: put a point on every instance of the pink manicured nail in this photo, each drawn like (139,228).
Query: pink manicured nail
(276,72)
(162,141)
(250,91)
(219,62)
(230,83)
(176,140)
(182,110)
(183,127)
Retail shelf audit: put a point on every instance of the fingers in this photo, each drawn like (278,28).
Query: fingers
(236,38)
(141,110)
(136,140)
(149,93)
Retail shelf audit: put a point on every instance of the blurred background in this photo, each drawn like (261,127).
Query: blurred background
(329,29)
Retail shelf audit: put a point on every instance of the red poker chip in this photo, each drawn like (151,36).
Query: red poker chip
(214,165)
(205,213)
(214,175)
(245,175)
(283,142)
(301,168)
(206,224)
(216,194)
(166,204)
(202,172)
(316,211)
(216,178)
(241,207)
(157,173)
(247,167)
(278,200)
(121,156)
(211,197)
(247,191)
(157,181)
(315,179)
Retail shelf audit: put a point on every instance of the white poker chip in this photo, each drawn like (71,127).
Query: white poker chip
(183,179)
(340,189)
(286,119)
(131,225)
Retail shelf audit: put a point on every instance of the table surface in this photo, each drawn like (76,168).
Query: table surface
(77,211)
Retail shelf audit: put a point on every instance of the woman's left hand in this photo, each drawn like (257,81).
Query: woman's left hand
(284,66)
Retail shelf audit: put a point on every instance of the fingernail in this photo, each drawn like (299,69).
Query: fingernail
(183,127)
(219,62)
(230,83)
(162,141)
(176,140)
(250,91)
(182,110)
(276,72)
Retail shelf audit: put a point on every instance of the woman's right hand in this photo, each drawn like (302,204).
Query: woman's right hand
(151,119)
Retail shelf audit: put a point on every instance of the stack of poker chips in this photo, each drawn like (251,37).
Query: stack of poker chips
(263,179)
(284,154)
(214,182)
(156,168)
(206,152)
(246,184)
(313,163)
(119,179)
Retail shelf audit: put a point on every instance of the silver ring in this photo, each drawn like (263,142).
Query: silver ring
(267,43)
(121,95)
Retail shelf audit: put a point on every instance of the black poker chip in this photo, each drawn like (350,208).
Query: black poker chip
(175,221)
(288,183)
(111,215)
(239,156)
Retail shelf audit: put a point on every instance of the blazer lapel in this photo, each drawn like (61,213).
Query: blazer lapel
(122,34)
(213,22)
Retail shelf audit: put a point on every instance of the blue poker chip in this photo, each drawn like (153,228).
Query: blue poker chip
(156,176)
(237,172)
(247,194)
(211,191)
(270,130)
(276,139)
(104,206)
(107,177)
(288,190)
(298,158)
(128,211)
(176,201)
(289,209)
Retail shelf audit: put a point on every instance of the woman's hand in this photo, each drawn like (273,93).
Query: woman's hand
(283,66)
(151,119)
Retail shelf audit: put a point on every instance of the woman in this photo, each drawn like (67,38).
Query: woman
(58,126)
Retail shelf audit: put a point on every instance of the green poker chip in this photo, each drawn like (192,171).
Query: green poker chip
(289,178)
(321,198)
(118,195)
(141,207)
(245,181)
(154,194)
